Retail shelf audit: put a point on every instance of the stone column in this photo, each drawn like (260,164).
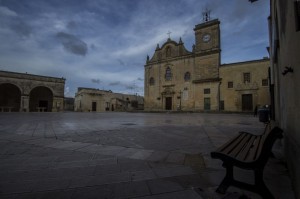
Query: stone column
(58,104)
(24,103)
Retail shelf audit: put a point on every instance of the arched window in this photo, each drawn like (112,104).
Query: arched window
(187,76)
(168,74)
(151,81)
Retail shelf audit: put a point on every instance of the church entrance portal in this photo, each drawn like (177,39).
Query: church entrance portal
(10,98)
(168,103)
(40,99)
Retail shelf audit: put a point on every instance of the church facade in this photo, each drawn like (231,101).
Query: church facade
(177,79)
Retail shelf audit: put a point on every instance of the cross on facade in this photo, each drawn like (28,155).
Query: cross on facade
(169,33)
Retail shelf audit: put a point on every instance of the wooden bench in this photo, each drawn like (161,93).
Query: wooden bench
(250,152)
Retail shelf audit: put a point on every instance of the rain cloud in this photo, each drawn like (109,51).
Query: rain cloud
(72,43)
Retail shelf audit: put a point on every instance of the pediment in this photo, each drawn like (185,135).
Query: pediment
(170,49)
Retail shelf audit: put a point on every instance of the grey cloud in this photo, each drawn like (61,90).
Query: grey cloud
(140,79)
(72,43)
(11,20)
(93,46)
(4,11)
(96,81)
(21,28)
(115,83)
(72,25)
(130,87)
(122,63)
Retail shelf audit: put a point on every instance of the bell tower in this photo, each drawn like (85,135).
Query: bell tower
(207,49)
(207,37)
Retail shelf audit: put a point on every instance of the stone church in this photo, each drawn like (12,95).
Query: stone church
(177,79)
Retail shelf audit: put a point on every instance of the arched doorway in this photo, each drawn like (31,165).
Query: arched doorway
(10,97)
(40,99)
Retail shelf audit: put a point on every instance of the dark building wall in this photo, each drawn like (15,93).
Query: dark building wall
(284,31)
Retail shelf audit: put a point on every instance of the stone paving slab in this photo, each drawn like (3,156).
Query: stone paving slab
(99,155)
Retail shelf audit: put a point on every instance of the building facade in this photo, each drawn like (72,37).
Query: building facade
(284,30)
(21,92)
(244,85)
(95,100)
(177,79)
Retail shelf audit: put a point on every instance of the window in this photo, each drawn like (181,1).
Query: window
(151,81)
(246,77)
(265,82)
(168,74)
(230,85)
(187,76)
(207,91)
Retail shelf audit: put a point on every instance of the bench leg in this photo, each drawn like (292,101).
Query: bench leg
(227,181)
(260,186)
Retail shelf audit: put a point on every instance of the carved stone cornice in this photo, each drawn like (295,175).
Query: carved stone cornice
(246,86)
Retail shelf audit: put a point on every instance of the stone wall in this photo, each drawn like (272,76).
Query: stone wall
(284,50)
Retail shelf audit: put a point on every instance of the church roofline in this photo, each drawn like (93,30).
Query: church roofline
(169,41)
(189,55)
(207,24)
(245,62)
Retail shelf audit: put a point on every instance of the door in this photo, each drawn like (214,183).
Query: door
(247,102)
(207,103)
(168,103)
(94,106)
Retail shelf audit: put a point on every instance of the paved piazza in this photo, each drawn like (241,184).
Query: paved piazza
(123,155)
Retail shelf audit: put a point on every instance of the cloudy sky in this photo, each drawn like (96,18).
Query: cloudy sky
(104,43)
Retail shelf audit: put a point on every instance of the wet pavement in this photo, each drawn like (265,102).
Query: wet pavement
(124,155)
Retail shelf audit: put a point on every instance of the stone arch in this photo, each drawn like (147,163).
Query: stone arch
(40,99)
(10,97)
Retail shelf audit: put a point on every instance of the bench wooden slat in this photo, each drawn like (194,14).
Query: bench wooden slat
(229,146)
(263,138)
(240,146)
(256,150)
(253,152)
(244,154)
